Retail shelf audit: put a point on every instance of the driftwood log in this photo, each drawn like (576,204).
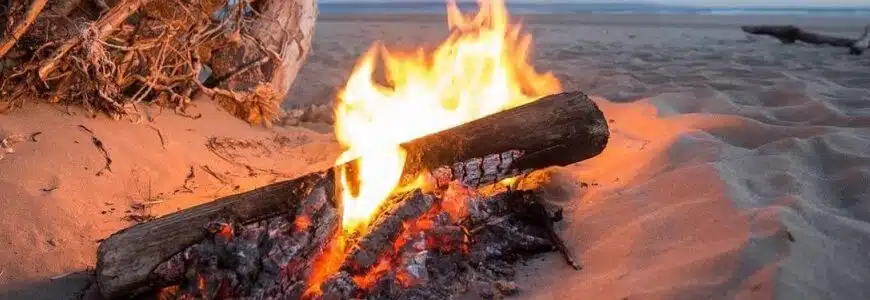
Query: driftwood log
(267,59)
(790,34)
(556,130)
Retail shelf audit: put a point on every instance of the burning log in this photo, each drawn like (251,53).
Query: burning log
(435,256)
(790,34)
(386,229)
(556,130)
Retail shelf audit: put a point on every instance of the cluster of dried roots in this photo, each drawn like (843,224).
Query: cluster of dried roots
(109,55)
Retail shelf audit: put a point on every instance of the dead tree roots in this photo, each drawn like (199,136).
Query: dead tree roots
(109,55)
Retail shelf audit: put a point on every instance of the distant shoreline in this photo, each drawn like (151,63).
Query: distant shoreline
(651,20)
(437,7)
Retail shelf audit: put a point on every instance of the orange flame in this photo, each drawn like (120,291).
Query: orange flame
(480,69)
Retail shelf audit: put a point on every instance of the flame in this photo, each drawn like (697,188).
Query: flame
(480,69)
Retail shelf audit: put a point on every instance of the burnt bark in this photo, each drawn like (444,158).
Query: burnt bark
(556,130)
(126,259)
(386,229)
(790,34)
(267,259)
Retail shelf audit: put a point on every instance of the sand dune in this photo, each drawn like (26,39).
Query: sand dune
(738,167)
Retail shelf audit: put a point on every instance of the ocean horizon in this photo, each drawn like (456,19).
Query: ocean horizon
(437,7)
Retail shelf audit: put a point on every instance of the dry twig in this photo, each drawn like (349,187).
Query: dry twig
(160,135)
(99,144)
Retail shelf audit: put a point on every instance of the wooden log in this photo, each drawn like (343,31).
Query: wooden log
(556,130)
(126,260)
(267,57)
(790,34)
(266,259)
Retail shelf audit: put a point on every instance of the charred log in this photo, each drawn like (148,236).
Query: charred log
(386,229)
(435,255)
(555,130)
(790,34)
(126,259)
(438,256)
(575,130)
(262,260)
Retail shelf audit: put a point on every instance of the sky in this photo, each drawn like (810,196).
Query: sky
(767,2)
(722,3)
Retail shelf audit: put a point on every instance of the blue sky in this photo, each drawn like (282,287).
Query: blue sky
(724,3)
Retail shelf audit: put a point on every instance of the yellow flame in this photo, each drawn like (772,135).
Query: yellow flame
(480,69)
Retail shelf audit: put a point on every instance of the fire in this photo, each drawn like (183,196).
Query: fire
(480,69)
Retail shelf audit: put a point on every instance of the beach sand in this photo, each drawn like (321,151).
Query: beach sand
(738,167)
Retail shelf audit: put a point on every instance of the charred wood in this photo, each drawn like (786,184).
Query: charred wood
(385,229)
(267,259)
(126,259)
(556,130)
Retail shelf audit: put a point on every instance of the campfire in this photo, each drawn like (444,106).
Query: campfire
(431,198)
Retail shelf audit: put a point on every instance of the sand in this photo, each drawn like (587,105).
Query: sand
(56,209)
(737,168)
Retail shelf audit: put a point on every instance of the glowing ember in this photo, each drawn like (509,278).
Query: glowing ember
(480,69)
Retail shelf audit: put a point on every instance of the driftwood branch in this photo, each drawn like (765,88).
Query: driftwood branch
(790,34)
(556,130)
(33,11)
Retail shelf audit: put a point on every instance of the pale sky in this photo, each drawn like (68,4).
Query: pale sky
(765,3)
(675,2)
